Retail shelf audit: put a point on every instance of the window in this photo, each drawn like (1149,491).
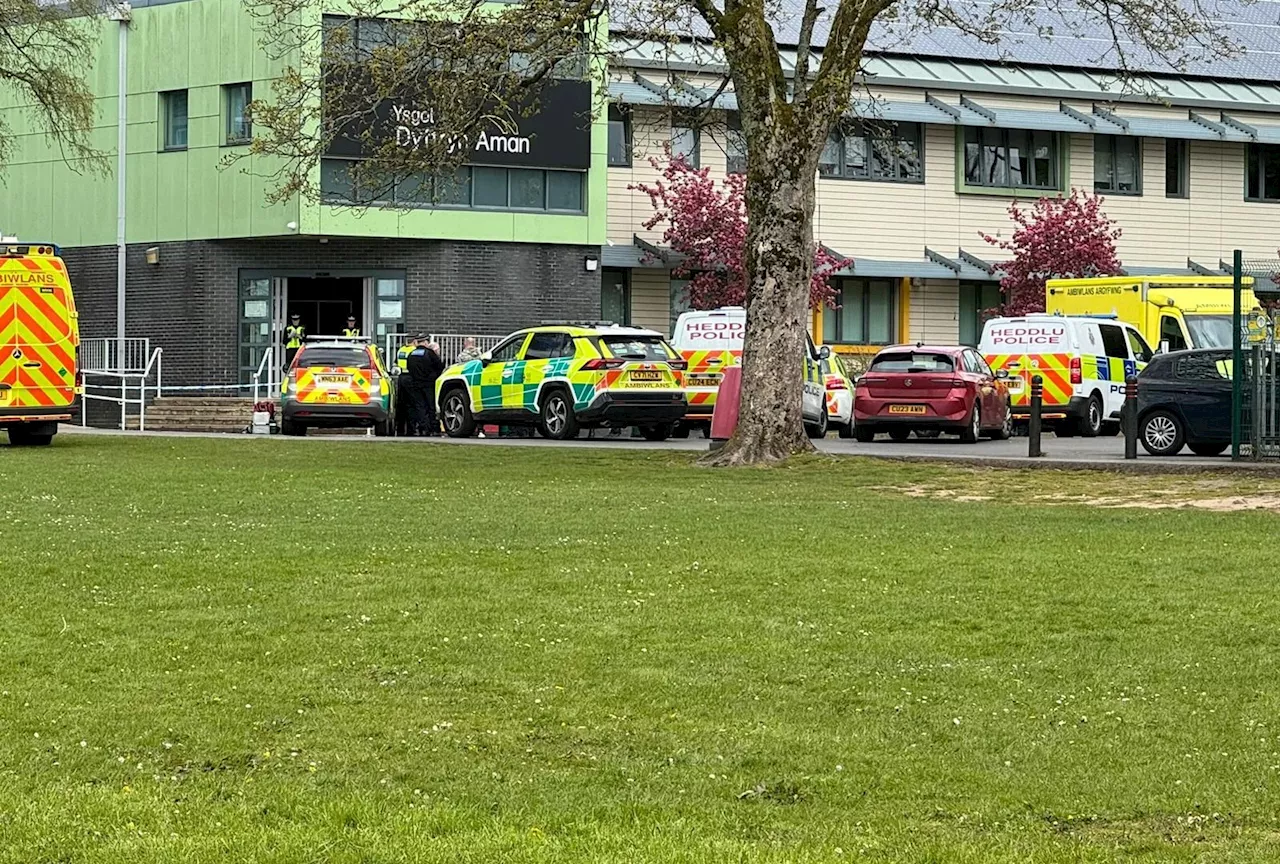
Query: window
(735,145)
(1138,345)
(1202,367)
(173,115)
(1171,333)
(913,361)
(1262,172)
(1117,164)
(236,98)
(544,346)
(1177,169)
(637,347)
(886,152)
(978,302)
(615,296)
(1113,342)
(685,137)
(865,314)
(679,299)
(619,136)
(498,188)
(508,350)
(1010,158)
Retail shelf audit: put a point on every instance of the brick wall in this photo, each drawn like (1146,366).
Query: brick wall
(187,304)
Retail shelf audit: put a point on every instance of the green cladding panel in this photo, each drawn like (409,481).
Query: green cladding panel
(200,46)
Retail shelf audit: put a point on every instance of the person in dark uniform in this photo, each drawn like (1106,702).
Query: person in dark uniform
(424,369)
(351,330)
(404,388)
(294,334)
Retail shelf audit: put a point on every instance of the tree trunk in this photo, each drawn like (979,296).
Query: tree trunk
(779,268)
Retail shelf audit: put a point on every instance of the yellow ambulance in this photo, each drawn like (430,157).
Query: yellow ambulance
(39,338)
(1171,312)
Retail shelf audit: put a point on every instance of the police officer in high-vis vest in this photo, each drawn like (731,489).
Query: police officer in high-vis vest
(404,398)
(351,331)
(294,334)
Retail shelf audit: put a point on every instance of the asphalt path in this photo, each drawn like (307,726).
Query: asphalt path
(1106,453)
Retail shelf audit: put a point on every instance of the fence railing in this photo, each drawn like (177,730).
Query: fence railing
(103,354)
(123,382)
(267,377)
(450,343)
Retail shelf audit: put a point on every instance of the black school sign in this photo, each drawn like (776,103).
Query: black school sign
(554,133)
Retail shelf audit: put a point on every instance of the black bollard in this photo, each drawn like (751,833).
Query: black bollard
(1129,414)
(1033,424)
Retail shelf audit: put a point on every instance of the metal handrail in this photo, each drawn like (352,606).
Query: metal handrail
(154,362)
(265,365)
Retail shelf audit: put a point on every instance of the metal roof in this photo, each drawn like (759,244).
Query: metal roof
(976,75)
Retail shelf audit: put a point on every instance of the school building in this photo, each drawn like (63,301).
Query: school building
(946,135)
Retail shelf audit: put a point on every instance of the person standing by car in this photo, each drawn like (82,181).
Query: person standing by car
(424,369)
(351,331)
(469,350)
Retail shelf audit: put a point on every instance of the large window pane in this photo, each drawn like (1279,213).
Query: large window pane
(910,165)
(1271,176)
(238,97)
(855,156)
(336,182)
(831,322)
(851,318)
(528,189)
(994,158)
(684,144)
(1176,169)
(1042,159)
(972,158)
(1253,172)
(1128,171)
(414,189)
(490,187)
(880,312)
(830,160)
(174,108)
(564,190)
(735,149)
(619,136)
(454,189)
(1018,146)
(1104,172)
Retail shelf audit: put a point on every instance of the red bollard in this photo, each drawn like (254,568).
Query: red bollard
(724,418)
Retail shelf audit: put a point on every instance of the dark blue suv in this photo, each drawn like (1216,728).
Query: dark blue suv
(1184,399)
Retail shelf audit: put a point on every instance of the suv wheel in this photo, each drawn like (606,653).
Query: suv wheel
(819,429)
(456,414)
(558,420)
(661,432)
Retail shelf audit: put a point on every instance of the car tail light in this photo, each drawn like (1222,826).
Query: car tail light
(957,383)
(1076,376)
(597,363)
(834,383)
(679,365)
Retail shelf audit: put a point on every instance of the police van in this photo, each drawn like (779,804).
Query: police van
(1082,360)
(710,341)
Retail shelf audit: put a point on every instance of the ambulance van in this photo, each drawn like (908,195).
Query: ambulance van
(39,380)
(1083,362)
(1173,313)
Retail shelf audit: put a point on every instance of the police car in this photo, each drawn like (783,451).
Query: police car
(563,378)
(335,383)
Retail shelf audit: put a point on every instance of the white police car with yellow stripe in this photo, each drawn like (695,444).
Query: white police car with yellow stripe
(1082,360)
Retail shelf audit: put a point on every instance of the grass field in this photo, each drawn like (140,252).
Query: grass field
(279,651)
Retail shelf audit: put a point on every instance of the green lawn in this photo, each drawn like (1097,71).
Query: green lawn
(284,651)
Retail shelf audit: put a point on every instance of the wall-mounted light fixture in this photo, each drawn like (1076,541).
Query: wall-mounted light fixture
(591,263)
(153,254)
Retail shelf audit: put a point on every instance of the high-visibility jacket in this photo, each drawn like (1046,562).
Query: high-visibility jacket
(402,357)
(351,331)
(294,336)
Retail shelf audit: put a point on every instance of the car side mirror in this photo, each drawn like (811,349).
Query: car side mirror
(1003,374)
(486,358)
(824,353)
(857,382)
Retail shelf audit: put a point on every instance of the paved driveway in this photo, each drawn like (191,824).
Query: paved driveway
(1059,452)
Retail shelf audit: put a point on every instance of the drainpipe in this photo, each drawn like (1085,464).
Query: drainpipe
(122,13)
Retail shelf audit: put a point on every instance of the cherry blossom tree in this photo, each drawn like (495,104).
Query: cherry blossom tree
(1057,238)
(704,222)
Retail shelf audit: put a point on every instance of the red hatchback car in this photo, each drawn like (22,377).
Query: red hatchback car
(931,389)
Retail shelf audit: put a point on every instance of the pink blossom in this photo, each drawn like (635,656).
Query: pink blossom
(1057,238)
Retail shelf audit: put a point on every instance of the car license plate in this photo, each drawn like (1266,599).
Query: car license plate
(906,409)
(333,379)
(646,375)
(703,381)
